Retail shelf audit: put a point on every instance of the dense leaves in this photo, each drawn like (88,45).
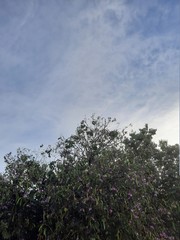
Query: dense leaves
(102,183)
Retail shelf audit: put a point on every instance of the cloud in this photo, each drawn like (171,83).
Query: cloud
(62,61)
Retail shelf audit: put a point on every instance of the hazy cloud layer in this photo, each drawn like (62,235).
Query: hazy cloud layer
(63,60)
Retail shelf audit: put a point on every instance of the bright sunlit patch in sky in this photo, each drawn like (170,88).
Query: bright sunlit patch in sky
(63,60)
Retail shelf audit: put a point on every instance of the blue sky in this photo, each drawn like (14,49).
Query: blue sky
(63,60)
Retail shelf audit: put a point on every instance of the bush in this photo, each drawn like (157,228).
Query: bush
(101,184)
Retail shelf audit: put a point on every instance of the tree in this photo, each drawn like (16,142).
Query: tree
(91,139)
(21,205)
(102,184)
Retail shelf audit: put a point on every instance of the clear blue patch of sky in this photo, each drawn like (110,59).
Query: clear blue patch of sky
(160,19)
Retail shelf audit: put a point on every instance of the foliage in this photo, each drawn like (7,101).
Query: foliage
(103,184)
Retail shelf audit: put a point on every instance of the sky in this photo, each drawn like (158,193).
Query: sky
(63,60)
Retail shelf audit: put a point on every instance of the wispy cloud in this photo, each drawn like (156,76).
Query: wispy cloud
(62,61)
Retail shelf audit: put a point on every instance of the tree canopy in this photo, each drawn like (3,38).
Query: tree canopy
(101,183)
